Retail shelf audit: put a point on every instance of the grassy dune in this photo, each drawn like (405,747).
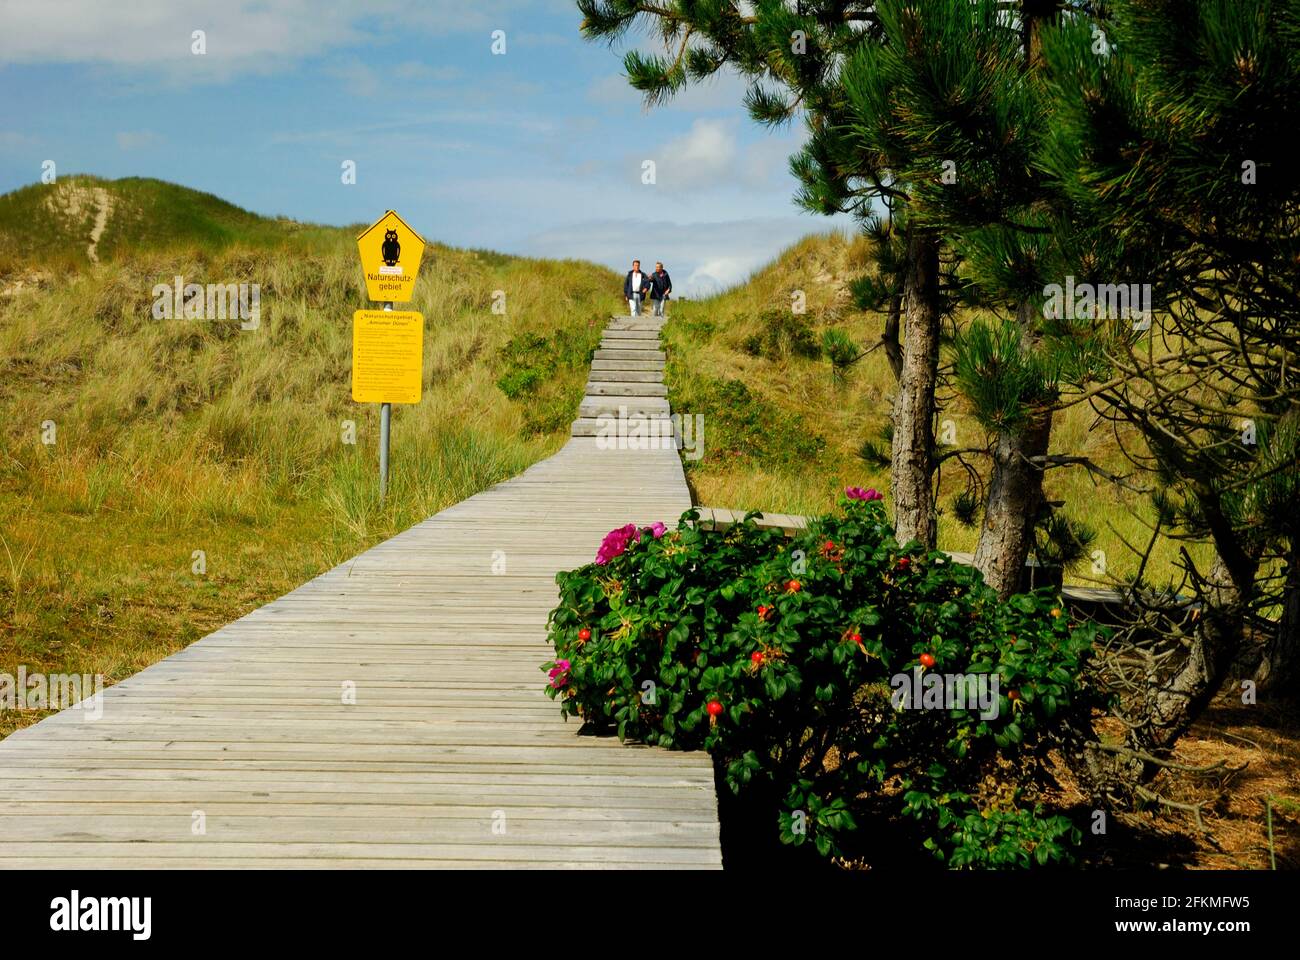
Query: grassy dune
(50,226)
(782,435)
(176,436)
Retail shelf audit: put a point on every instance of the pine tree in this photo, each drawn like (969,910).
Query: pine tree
(953,98)
(1170,144)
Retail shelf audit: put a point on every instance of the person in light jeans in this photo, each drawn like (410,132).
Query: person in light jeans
(661,285)
(635,285)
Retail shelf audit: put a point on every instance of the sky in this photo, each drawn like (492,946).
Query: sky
(538,150)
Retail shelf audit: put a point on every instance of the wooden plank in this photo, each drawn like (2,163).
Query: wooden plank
(652,366)
(719,518)
(649,377)
(261,777)
(465,809)
(603,353)
(660,439)
(352,863)
(33,853)
(362,827)
(609,388)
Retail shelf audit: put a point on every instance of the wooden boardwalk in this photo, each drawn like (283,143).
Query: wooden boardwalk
(240,751)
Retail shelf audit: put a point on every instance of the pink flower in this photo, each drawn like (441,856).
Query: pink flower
(559,673)
(616,541)
(857,493)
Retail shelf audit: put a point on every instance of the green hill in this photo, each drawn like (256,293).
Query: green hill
(80,219)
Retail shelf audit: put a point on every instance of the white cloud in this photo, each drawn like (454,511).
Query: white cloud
(720,273)
(363,79)
(241,35)
(704,157)
(710,157)
(451,121)
(137,139)
(767,161)
(160,31)
(13,140)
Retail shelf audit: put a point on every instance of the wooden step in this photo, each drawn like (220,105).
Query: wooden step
(658,435)
(646,401)
(631,407)
(637,323)
(607,389)
(640,345)
(649,366)
(619,333)
(613,354)
(626,376)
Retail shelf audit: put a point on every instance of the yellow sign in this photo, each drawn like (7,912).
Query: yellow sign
(387,356)
(390,256)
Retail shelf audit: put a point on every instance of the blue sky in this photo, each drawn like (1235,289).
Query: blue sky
(536,151)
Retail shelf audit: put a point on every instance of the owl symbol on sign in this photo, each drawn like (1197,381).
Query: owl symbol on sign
(391,250)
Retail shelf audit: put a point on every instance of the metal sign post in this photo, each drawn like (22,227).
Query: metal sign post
(385,420)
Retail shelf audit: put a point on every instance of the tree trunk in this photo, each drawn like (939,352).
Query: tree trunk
(1169,703)
(1015,492)
(1173,704)
(1280,666)
(1015,495)
(893,350)
(912,462)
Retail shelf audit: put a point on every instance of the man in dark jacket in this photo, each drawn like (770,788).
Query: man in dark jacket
(660,286)
(635,286)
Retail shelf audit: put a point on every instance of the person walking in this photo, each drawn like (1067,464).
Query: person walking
(635,285)
(661,285)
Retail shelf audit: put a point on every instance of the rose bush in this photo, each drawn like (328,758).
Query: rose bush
(782,658)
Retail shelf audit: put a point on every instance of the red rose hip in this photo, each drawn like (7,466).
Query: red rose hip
(927,660)
(584,634)
(714,708)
